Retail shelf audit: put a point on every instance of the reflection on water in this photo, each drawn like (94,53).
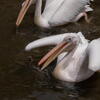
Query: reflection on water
(19,77)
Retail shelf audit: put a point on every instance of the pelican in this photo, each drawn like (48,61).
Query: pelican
(56,12)
(78,59)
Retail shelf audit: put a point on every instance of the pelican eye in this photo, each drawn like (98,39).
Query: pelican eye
(69,39)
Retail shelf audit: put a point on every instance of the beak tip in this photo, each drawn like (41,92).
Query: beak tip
(17,24)
(39,64)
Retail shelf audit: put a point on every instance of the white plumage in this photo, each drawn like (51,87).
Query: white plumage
(56,12)
(94,54)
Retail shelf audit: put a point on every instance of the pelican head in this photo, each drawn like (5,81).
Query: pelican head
(68,44)
(64,43)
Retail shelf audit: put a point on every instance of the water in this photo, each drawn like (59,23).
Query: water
(19,76)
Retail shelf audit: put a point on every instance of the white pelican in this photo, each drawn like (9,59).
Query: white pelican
(56,12)
(77,58)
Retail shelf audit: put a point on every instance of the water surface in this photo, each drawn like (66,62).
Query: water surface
(19,76)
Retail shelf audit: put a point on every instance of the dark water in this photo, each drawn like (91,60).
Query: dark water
(19,77)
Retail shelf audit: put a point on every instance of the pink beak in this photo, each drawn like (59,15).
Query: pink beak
(23,11)
(50,56)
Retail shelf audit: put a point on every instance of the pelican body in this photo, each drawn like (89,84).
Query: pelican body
(77,58)
(56,12)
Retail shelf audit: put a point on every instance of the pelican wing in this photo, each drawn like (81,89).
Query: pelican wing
(66,11)
(51,7)
(94,55)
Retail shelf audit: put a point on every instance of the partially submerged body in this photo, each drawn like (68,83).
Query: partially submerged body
(56,12)
(77,60)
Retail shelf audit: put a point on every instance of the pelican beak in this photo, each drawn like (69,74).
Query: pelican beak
(50,56)
(23,11)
